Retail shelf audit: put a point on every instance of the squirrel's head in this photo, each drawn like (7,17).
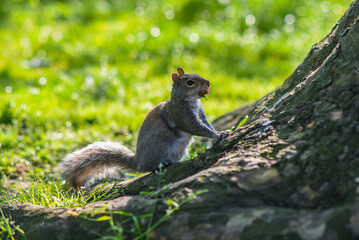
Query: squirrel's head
(191,85)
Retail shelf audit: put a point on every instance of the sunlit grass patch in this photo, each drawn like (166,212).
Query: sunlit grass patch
(55,193)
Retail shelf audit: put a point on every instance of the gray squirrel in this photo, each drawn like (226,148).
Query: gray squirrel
(163,139)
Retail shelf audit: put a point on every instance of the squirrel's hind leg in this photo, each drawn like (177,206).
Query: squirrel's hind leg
(167,163)
(163,165)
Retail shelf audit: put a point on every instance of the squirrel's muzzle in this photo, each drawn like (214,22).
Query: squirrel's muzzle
(203,92)
(207,83)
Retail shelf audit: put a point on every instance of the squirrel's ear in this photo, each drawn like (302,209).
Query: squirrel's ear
(175,78)
(180,71)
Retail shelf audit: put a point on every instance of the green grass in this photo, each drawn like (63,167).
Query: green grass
(54,194)
(75,72)
(8,229)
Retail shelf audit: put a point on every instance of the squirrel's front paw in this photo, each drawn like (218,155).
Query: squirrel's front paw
(223,134)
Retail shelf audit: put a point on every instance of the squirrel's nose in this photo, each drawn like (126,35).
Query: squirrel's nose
(207,83)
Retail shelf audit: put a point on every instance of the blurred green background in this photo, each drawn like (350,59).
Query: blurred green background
(74,72)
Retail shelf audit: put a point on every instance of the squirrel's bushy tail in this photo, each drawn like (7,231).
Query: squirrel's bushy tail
(82,165)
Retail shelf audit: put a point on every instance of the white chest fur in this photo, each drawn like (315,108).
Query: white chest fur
(179,148)
(195,106)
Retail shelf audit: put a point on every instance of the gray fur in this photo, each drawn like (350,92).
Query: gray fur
(164,137)
(94,159)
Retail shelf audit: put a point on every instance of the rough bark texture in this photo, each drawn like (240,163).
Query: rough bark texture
(292,172)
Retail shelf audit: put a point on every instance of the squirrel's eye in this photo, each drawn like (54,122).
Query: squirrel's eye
(190,82)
